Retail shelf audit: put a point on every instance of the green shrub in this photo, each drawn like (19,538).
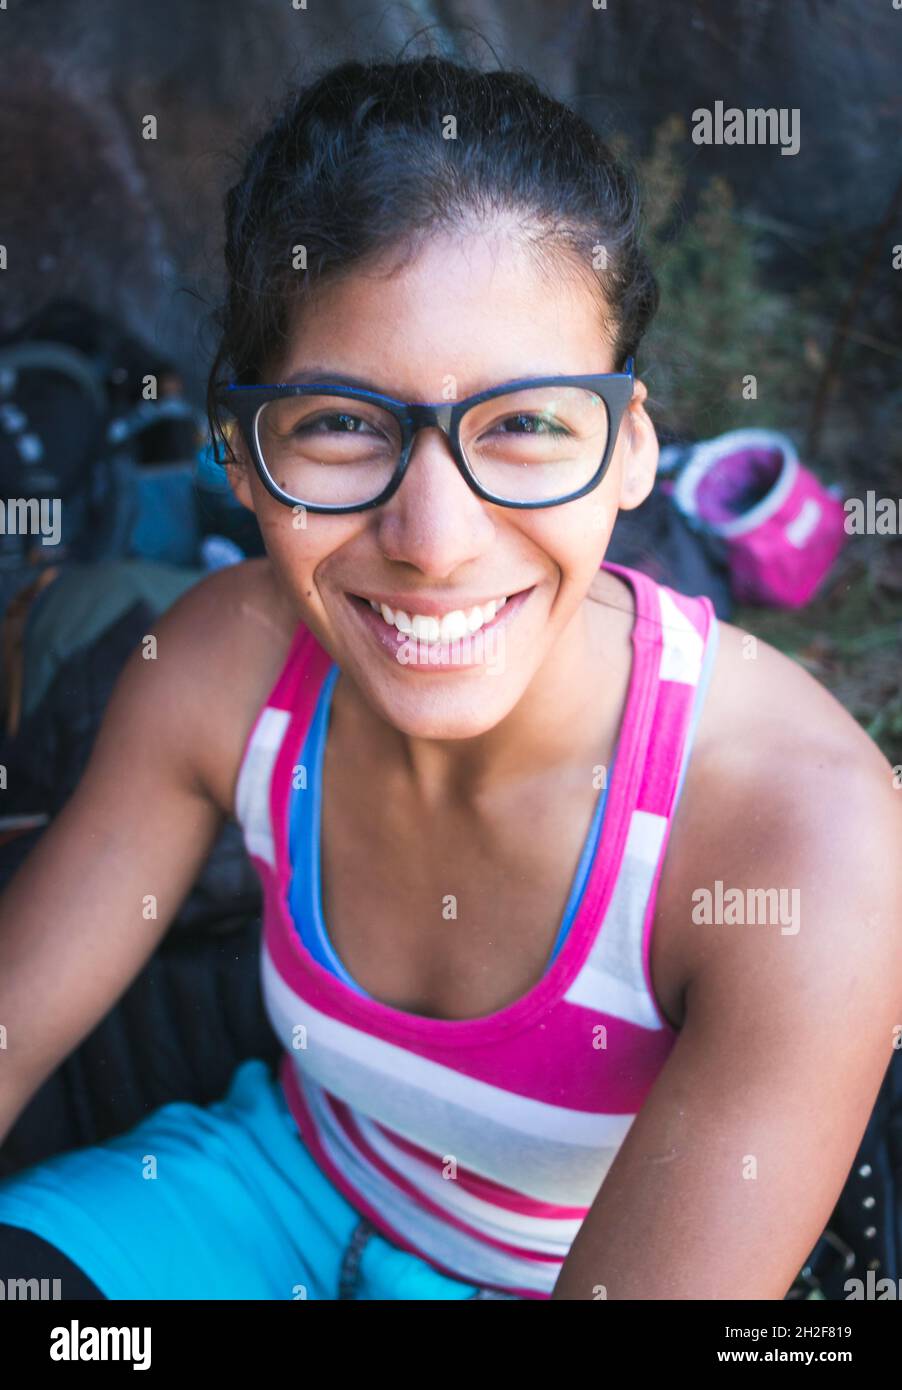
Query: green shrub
(720,321)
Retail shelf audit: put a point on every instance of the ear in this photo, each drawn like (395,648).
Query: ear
(238,471)
(640,451)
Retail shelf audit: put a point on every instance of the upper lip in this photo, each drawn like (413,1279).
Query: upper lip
(433,607)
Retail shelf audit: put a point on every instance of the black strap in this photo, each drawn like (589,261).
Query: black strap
(23,1255)
(349,1278)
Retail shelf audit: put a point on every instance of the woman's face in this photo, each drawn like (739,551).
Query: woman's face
(477,310)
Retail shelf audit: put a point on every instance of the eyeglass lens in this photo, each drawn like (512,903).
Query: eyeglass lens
(529,445)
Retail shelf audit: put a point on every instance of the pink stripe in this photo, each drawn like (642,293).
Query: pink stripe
(305,657)
(397,1180)
(569,1030)
(300,686)
(660,774)
(309,1133)
(653,729)
(275,693)
(443,1037)
(485,1188)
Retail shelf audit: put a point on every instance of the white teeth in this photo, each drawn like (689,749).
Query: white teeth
(453,626)
(425,629)
(449,628)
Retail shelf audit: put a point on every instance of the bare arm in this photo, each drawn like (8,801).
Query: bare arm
(89,905)
(732,1168)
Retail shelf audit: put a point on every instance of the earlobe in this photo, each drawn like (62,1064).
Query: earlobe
(641,451)
(635,487)
(238,475)
(640,466)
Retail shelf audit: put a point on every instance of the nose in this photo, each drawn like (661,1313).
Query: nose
(435,521)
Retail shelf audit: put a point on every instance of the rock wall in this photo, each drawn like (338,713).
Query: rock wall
(89,207)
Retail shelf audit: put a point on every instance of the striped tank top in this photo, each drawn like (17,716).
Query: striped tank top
(480,1144)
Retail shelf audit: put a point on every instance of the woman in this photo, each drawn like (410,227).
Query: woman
(581,924)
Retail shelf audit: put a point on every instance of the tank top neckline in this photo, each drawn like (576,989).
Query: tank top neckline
(305,848)
(309,661)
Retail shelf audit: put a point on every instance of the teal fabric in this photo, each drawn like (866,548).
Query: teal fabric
(237,1209)
(167,525)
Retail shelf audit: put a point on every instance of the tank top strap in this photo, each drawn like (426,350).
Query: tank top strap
(683,633)
(278,730)
(676,635)
(671,636)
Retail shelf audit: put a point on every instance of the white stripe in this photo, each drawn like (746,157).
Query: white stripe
(801,528)
(253,788)
(612,980)
(683,645)
(548,1234)
(544,1151)
(466,1255)
(698,702)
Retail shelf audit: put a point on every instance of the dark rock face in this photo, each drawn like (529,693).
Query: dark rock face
(91,208)
(836,63)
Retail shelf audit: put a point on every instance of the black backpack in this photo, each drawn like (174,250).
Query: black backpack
(74,425)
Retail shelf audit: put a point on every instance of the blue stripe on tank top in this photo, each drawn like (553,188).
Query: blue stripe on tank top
(305,894)
(305,821)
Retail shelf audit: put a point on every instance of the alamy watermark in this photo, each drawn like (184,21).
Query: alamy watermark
(25,1290)
(747,907)
(756,125)
(480,648)
(872,515)
(32,516)
(868,1288)
(85,1343)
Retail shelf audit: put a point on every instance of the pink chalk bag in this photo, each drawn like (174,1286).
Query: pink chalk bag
(780,529)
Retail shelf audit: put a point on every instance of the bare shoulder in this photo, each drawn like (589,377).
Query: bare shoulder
(768,724)
(784,791)
(783,911)
(219,650)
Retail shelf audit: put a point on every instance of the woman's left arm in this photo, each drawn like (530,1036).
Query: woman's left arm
(733,1166)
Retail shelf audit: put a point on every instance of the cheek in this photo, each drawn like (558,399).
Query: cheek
(301,547)
(575,536)
(599,516)
(295,540)
(289,533)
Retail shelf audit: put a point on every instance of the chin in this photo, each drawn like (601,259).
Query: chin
(453,707)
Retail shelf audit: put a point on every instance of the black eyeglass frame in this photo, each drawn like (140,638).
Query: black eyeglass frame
(615,389)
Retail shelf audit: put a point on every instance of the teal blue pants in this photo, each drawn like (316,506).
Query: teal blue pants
(221,1201)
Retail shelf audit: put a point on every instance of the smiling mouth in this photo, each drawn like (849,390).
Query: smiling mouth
(450,626)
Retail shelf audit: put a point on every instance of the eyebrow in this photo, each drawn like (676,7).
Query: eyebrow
(325,375)
(328,377)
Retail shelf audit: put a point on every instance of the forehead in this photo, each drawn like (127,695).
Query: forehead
(466,311)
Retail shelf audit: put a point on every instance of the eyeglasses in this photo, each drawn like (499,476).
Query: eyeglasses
(535,442)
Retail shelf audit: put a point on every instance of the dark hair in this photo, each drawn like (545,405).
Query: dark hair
(355,164)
